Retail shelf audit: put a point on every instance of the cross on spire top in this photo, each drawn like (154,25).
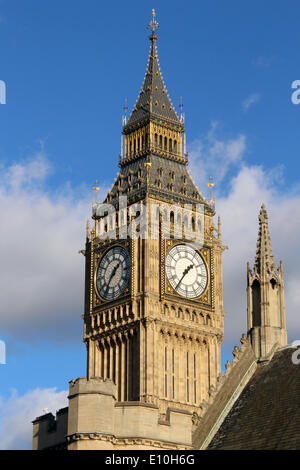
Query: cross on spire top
(153,25)
(96,188)
(211,185)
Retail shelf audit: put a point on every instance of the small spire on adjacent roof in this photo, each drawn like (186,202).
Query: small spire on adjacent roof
(264,259)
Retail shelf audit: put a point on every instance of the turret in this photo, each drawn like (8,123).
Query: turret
(266,311)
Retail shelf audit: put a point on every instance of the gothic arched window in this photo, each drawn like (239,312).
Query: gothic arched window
(172,224)
(256,303)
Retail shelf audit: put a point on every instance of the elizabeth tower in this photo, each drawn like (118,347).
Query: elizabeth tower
(153,320)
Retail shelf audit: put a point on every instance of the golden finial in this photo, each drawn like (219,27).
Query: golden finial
(210,185)
(153,25)
(96,188)
(181,110)
(125,113)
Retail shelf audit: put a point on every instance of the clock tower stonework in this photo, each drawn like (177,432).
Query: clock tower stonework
(153,310)
(153,321)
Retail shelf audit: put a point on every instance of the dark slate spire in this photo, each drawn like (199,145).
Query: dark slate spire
(153,100)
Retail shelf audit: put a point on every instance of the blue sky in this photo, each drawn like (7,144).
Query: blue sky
(68,66)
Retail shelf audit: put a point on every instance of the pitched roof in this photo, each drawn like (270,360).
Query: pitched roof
(266,415)
(166,179)
(153,99)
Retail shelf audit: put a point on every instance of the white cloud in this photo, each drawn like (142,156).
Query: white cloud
(239,212)
(19,175)
(250,101)
(240,190)
(18,412)
(247,188)
(213,156)
(41,272)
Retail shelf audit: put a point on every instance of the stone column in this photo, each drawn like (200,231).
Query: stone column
(111,358)
(123,368)
(90,368)
(128,364)
(117,380)
(141,352)
(105,360)
(97,359)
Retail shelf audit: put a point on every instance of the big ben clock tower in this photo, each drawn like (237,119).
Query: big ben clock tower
(153,321)
(153,311)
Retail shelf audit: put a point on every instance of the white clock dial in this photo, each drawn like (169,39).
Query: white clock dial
(186,271)
(113,273)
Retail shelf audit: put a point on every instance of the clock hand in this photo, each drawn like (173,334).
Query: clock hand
(111,276)
(184,274)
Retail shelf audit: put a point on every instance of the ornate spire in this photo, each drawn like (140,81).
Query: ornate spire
(264,257)
(153,25)
(153,100)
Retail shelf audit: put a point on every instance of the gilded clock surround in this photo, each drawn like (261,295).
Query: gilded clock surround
(205,297)
(124,290)
(100,250)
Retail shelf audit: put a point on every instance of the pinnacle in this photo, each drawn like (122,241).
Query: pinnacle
(264,260)
(263,216)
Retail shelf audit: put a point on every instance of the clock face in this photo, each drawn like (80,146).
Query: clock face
(113,273)
(186,271)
